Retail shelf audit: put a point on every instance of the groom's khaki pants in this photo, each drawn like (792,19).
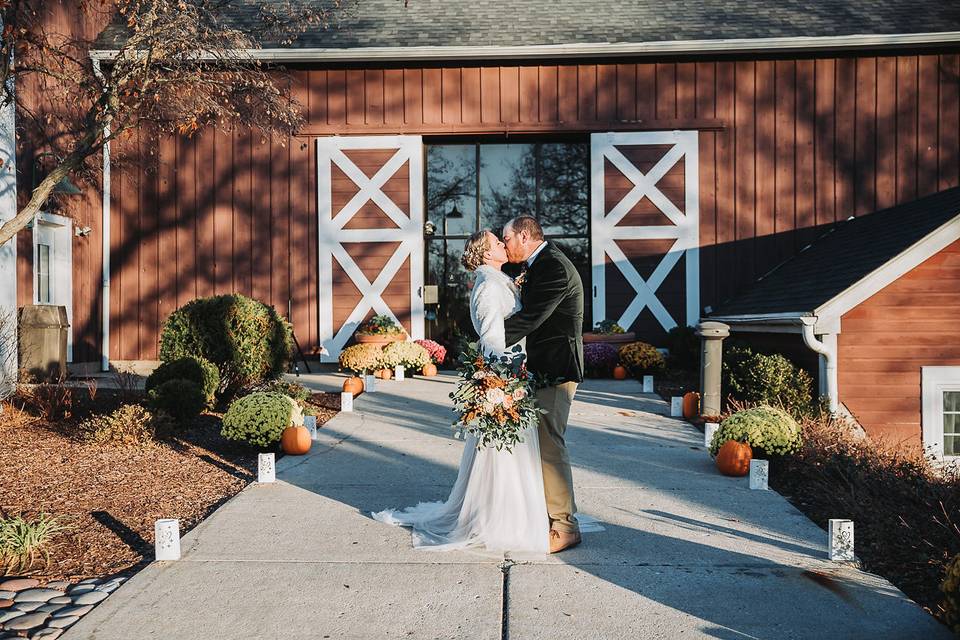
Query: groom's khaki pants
(557,478)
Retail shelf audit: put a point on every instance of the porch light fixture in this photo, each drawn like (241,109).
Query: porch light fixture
(65,186)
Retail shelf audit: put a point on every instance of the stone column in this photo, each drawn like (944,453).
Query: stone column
(711,356)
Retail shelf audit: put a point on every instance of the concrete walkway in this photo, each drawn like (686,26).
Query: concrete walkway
(686,552)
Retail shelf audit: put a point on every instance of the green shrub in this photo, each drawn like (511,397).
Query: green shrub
(246,339)
(951,595)
(291,389)
(757,378)
(683,346)
(409,355)
(182,399)
(769,431)
(194,368)
(259,418)
(640,358)
(130,424)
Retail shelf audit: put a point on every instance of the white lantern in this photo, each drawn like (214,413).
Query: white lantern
(676,407)
(648,384)
(266,468)
(370,383)
(398,372)
(759,475)
(709,430)
(166,545)
(346,401)
(310,422)
(841,539)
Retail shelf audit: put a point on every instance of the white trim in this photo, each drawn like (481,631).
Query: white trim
(890,271)
(934,381)
(331,235)
(8,251)
(104,243)
(685,229)
(794,316)
(585,49)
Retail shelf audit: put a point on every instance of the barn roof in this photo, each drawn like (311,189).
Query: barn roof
(531,23)
(843,256)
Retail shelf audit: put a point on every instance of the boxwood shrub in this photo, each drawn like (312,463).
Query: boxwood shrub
(182,399)
(757,378)
(258,419)
(246,339)
(769,431)
(197,369)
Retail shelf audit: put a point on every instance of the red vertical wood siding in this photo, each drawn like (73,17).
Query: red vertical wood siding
(786,146)
(885,341)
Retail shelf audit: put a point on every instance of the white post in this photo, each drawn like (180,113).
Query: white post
(759,475)
(369,383)
(266,468)
(398,372)
(648,384)
(709,429)
(346,401)
(676,407)
(166,545)
(840,533)
(8,252)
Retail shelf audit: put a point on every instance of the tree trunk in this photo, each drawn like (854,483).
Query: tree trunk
(14,225)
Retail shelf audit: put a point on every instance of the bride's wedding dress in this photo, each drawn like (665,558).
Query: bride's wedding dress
(497,501)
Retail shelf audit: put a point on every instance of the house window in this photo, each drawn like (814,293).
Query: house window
(43,274)
(941,410)
(484,184)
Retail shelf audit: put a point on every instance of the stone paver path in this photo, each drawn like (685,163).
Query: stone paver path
(686,552)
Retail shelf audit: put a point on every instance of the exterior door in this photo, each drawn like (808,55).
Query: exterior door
(370,228)
(645,230)
(53,266)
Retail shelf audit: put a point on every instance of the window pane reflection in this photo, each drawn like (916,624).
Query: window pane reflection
(452,183)
(507,183)
(453,284)
(43,273)
(564,188)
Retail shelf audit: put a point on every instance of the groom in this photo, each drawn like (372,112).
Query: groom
(551,320)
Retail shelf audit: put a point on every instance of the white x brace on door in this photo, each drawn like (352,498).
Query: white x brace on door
(606,229)
(403,229)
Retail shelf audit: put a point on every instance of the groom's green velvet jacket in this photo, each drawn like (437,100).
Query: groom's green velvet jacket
(551,318)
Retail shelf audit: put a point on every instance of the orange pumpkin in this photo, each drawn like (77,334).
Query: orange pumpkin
(353,385)
(295,441)
(429,370)
(619,372)
(384,374)
(734,457)
(691,405)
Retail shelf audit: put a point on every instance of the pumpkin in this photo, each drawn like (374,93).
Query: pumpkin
(734,457)
(429,369)
(295,441)
(353,385)
(619,372)
(384,374)
(691,405)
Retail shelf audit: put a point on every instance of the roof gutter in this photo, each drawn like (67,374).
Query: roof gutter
(827,349)
(584,50)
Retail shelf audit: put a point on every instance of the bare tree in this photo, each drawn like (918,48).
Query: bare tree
(175,67)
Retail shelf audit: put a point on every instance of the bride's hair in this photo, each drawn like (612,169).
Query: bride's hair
(473,252)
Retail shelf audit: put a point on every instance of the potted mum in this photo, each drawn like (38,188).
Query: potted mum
(608,331)
(380,330)
(409,355)
(438,354)
(599,359)
(359,359)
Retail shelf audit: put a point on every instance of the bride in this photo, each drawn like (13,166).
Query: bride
(497,501)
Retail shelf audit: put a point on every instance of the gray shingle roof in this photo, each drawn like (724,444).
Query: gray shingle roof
(387,23)
(843,256)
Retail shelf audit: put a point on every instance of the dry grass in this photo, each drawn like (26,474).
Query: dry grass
(905,509)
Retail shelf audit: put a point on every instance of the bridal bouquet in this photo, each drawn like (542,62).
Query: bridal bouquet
(494,398)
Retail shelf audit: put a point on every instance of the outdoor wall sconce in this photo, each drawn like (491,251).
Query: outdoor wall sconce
(65,186)
(82,232)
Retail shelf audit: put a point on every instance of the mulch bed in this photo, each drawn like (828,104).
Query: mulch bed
(111,495)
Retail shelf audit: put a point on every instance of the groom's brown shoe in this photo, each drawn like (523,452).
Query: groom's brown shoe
(560,540)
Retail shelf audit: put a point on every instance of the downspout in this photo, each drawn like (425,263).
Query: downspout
(827,348)
(105,243)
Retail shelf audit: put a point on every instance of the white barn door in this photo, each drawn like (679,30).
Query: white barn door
(644,219)
(370,228)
